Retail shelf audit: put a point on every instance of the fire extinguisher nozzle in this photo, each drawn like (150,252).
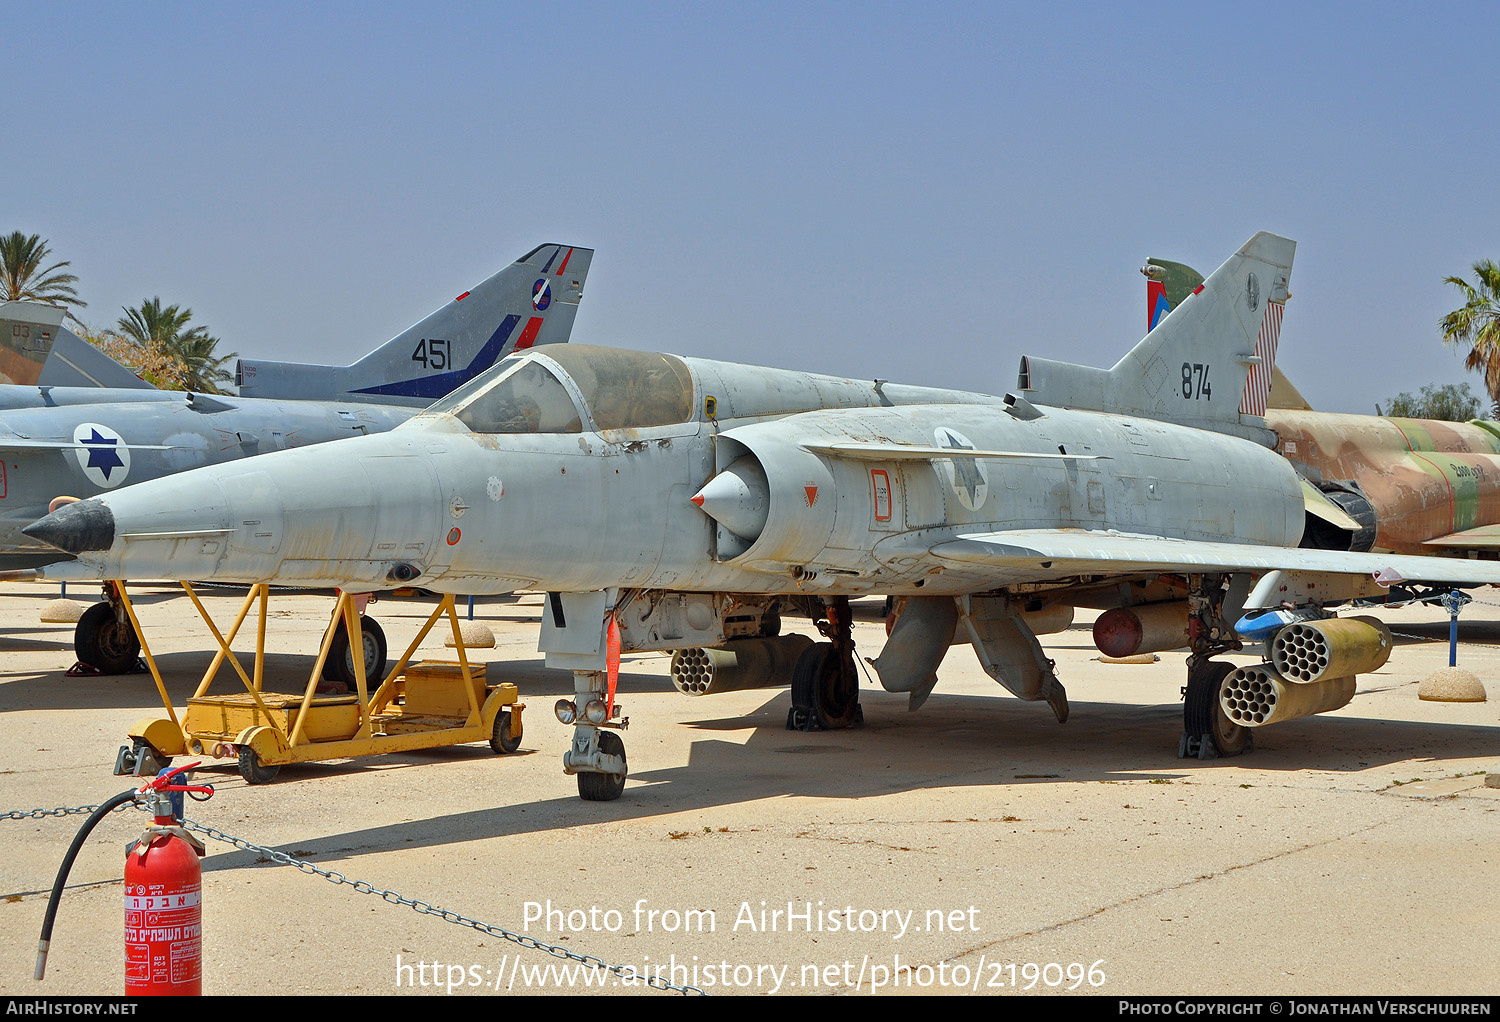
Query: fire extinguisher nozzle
(41,959)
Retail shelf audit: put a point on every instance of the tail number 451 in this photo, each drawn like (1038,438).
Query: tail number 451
(434,354)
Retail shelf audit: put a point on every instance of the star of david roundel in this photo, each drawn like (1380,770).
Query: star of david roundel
(102,454)
(967,477)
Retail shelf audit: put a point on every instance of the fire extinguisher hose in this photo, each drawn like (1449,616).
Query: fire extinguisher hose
(67,864)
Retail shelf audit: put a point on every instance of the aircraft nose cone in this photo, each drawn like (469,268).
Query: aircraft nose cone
(76,528)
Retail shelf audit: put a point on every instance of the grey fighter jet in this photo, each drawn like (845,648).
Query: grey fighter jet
(675,503)
(76,442)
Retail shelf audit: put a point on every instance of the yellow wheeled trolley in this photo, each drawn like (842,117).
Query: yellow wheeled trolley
(421,705)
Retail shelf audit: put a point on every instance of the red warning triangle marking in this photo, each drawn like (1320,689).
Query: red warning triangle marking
(812,495)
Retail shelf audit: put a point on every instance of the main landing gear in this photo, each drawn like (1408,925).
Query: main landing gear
(825,682)
(340,663)
(104,639)
(1207,731)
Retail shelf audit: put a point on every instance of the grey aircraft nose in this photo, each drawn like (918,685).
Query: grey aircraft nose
(76,528)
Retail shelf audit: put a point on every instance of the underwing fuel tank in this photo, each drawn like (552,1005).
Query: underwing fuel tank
(738,665)
(1152,628)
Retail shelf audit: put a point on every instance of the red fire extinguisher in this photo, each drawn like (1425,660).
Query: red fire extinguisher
(163,894)
(164,904)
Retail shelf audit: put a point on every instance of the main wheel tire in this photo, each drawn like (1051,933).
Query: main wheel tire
(253,770)
(101,641)
(1202,713)
(828,685)
(594,787)
(501,740)
(340,663)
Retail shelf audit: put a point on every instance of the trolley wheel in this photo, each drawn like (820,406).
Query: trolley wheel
(253,770)
(1202,713)
(340,663)
(594,787)
(101,641)
(501,740)
(827,685)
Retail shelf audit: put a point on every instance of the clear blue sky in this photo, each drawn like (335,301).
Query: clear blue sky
(918,192)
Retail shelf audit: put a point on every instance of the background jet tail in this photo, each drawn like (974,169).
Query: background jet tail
(532,301)
(1194,367)
(37,350)
(75,362)
(1168,285)
(27,332)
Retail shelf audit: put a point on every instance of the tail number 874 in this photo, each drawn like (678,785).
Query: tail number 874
(1195,383)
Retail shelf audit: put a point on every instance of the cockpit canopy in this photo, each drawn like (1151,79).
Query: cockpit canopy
(619,389)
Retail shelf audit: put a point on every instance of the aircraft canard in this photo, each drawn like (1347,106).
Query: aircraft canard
(679,502)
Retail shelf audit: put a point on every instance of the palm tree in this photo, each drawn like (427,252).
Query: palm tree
(1477,323)
(23,280)
(165,331)
(201,370)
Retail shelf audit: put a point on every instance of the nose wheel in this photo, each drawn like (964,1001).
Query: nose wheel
(597,787)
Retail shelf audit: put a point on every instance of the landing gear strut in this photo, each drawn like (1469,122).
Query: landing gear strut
(104,638)
(597,755)
(1207,732)
(825,683)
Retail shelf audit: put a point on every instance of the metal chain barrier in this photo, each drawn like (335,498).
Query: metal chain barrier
(447,915)
(38,814)
(390,897)
(1430,601)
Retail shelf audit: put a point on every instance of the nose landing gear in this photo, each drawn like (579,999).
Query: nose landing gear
(597,755)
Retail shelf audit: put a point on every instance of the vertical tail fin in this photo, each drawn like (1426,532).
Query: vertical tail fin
(1167,284)
(74,362)
(27,332)
(532,301)
(1193,368)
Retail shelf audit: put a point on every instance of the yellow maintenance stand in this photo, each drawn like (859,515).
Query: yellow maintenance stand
(421,705)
